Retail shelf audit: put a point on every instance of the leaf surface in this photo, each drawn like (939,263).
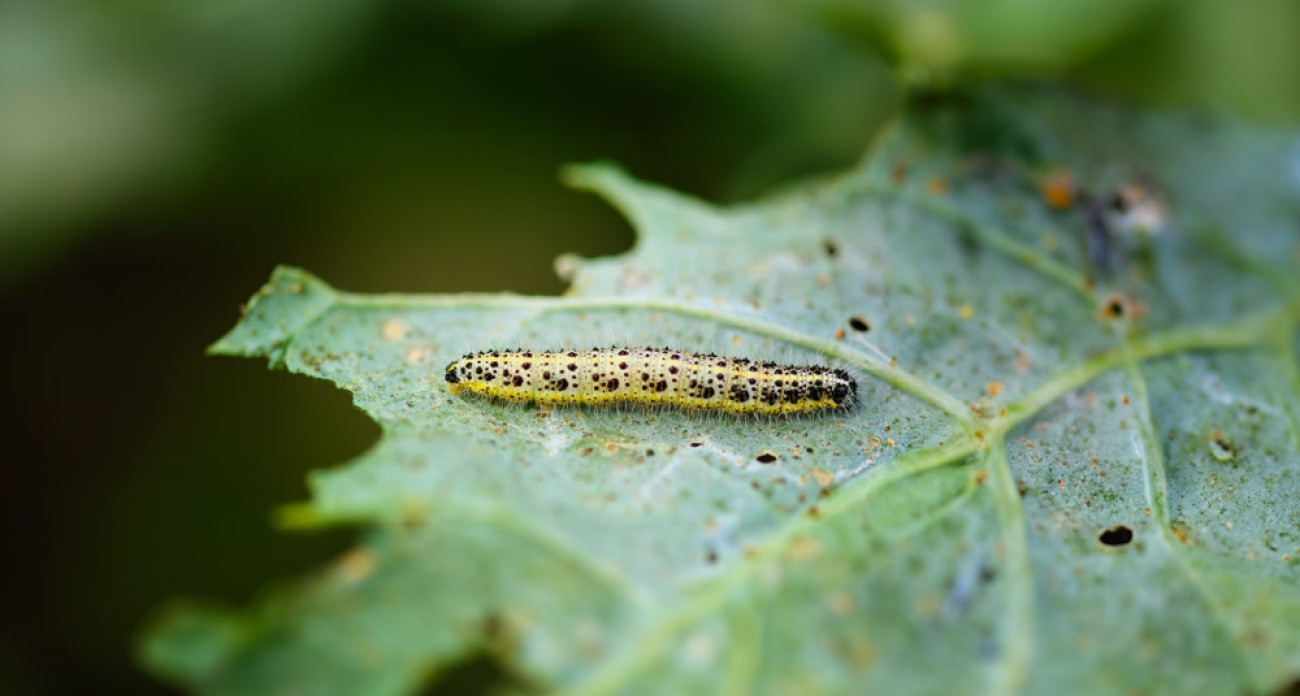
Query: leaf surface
(1067,474)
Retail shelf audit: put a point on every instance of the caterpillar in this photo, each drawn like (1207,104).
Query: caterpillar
(653,377)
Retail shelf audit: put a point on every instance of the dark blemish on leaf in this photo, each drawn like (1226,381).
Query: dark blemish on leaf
(1119,535)
(830,247)
(898,171)
(1114,307)
(498,630)
(649,453)
(766,457)
(860,323)
(697,444)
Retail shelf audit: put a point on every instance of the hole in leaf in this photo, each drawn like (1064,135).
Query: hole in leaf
(859,323)
(766,457)
(1114,307)
(1119,535)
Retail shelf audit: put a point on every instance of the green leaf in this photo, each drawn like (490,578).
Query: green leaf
(1059,480)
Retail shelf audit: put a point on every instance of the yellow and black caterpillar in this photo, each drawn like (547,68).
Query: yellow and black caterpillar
(653,377)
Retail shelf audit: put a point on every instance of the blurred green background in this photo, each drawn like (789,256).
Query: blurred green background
(157,159)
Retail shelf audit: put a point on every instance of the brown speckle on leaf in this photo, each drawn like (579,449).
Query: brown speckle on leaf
(1058,189)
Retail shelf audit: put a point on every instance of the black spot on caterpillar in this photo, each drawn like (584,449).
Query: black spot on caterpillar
(653,377)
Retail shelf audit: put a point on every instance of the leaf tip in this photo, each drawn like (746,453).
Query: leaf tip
(288,301)
(186,642)
(297,517)
(634,197)
(592,176)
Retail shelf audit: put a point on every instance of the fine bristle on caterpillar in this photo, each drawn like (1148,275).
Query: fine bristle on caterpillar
(653,377)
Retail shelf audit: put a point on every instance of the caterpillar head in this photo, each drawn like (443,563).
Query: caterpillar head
(845,390)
